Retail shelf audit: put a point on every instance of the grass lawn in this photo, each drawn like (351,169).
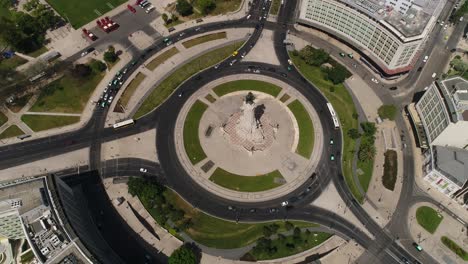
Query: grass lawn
(81,12)
(455,247)
(306,129)
(246,183)
(217,233)
(306,242)
(44,122)
(275,6)
(428,218)
(387,111)
(11,131)
(67,94)
(160,59)
(167,87)
(38,52)
(3,118)
(210,98)
(191,140)
(202,39)
(390,169)
(12,63)
(225,6)
(344,106)
(247,85)
(27,257)
(131,88)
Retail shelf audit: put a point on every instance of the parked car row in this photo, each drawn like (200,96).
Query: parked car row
(146,5)
(114,86)
(107,25)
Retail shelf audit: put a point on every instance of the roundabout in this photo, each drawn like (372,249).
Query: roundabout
(238,138)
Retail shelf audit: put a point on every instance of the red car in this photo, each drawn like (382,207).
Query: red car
(138,2)
(89,35)
(131,8)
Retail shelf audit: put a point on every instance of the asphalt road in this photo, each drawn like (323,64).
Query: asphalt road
(385,248)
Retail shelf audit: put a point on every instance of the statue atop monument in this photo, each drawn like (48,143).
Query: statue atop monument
(250,127)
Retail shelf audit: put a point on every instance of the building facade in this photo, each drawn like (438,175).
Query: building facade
(389,33)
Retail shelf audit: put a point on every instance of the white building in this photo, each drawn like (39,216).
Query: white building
(389,33)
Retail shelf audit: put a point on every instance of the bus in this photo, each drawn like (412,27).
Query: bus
(124,123)
(336,123)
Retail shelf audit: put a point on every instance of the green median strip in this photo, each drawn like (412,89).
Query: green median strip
(306,129)
(44,122)
(455,248)
(191,138)
(344,106)
(11,131)
(428,218)
(3,118)
(247,85)
(390,169)
(247,183)
(275,6)
(202,39)
(160,59)
(131,88)
(168,85)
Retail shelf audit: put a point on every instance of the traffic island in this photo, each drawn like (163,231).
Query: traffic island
(428,218)
(240,140)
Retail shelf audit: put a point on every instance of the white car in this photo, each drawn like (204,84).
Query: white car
(84,53)
(143,170)
(425,58)
(374,80)
(434,75)
(284,203)
(150,9)
(232,62)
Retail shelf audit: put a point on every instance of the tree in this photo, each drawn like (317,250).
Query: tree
(165,17)
(288,225)
(354,133)
(81,71)
(110,56)
(366,151)
(387,111)
(307,232)
(297,231)
(337,74)
(368,128)
(274,228)
(281,237)
(183,255)
(97,65)
(295,53)
(184,8)
(177,215)
(206,6)
(174,18)
(187,224)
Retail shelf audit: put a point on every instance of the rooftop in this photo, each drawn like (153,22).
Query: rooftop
(453,163)
(408,25)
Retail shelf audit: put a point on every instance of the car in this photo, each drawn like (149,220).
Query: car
(252,210)
(453,50)
(199,20)
(124,71)
(445,27)
(180,94)
(131,8)
(143,170)
(434,75)
(331,141)
(418,247)
(425,58)
(217,66)
(405,260)
(342,54)
(232,208)
(393,88)
(198,29)
(90,50)
(256,71)
(89,34)
(150,9)
(232,62)
(289,68)
(284,203)
(290,62)
(110,99)
(235,53)
(171,29)
(350,55)
(332,157)
(284,74)
(84,53)
(103,104)
(243,54)
(374,80)
(273,210)
(182,34)
(248,17)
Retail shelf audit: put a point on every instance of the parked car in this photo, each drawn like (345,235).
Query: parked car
(425,58)
(143,170)
(131,8)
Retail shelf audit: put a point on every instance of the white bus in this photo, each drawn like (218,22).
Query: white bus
(125,123)
(334,116)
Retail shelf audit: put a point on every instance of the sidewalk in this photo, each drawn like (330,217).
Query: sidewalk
(431,243)
(153,78)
